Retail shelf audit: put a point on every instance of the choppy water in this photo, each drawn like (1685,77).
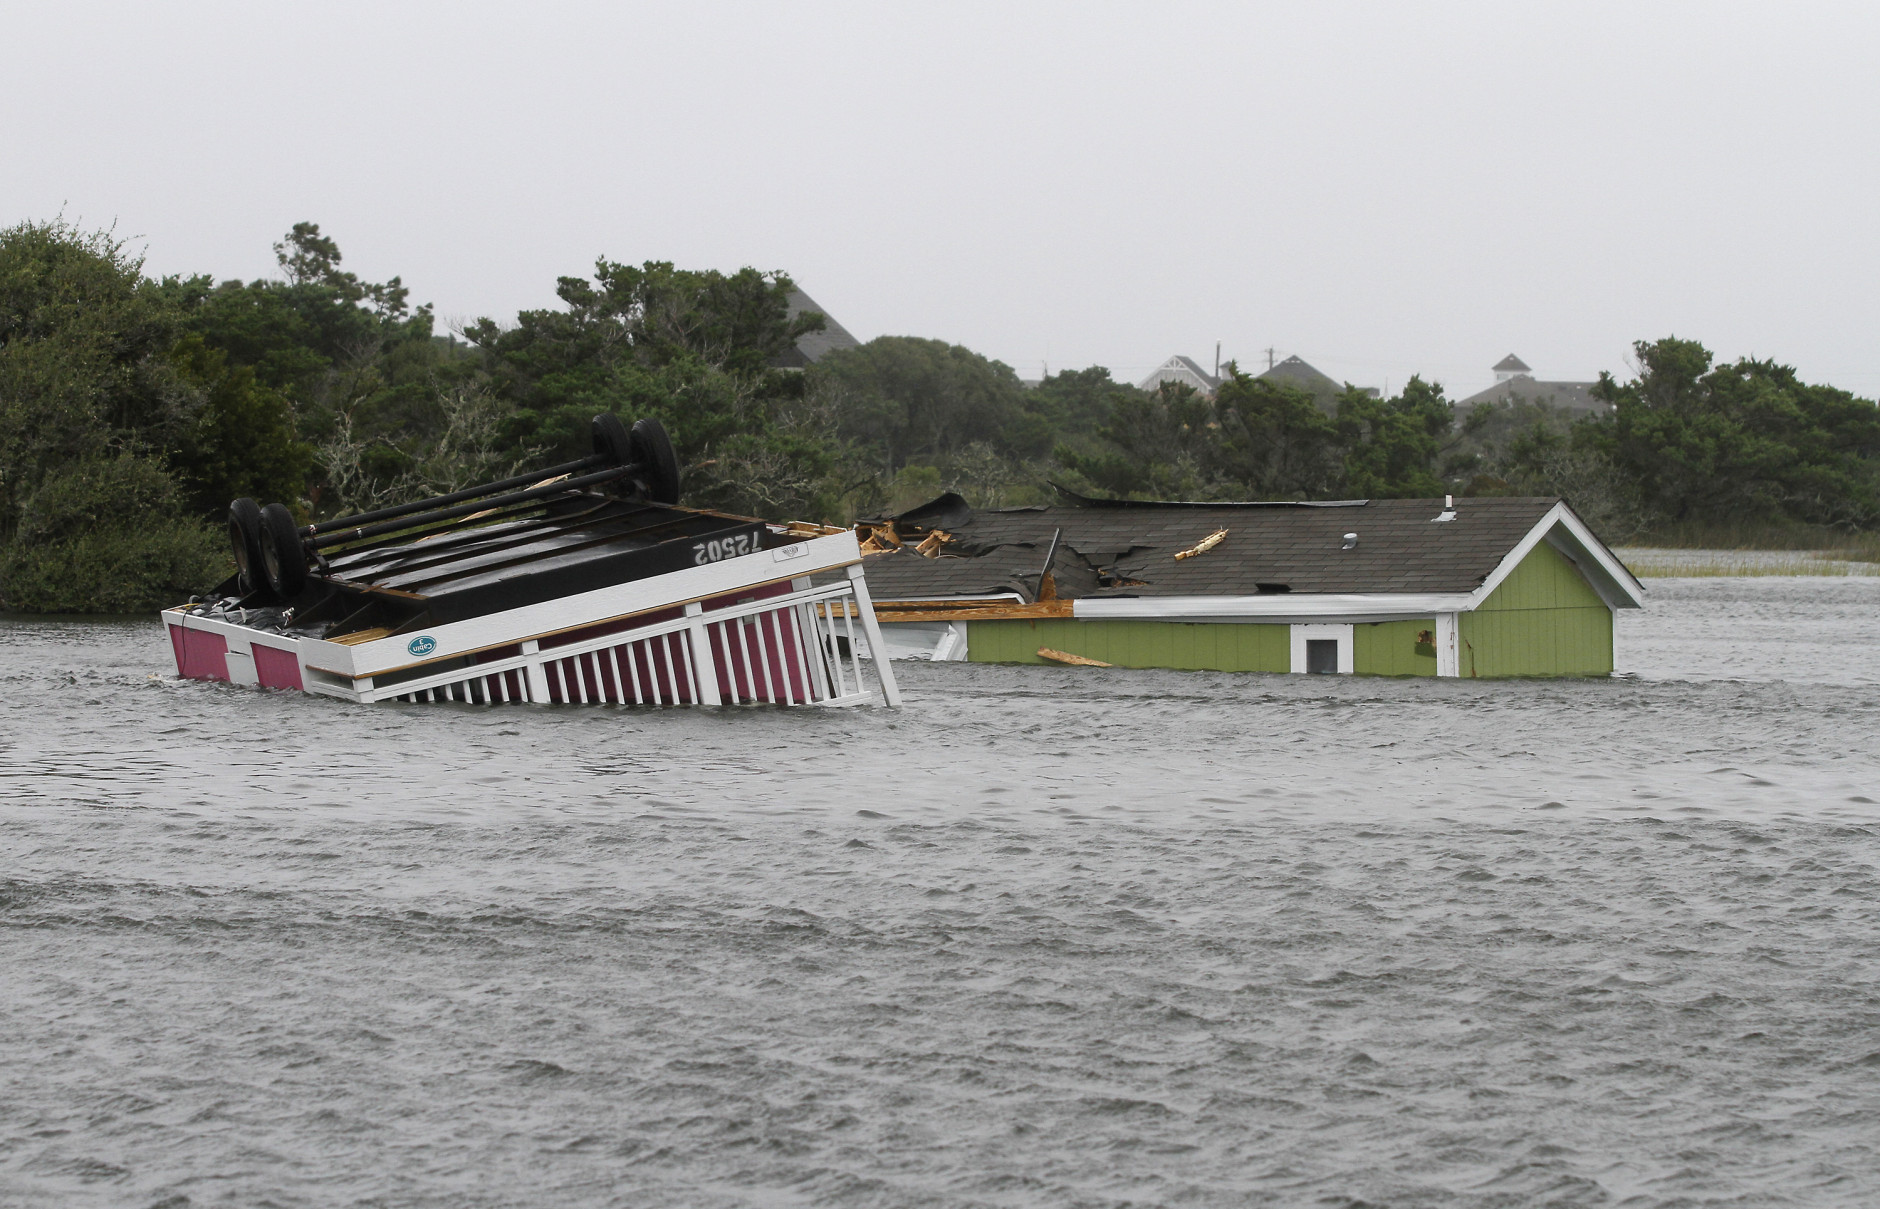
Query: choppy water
(1044,937)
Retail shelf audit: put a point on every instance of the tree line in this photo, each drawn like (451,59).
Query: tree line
(133,409)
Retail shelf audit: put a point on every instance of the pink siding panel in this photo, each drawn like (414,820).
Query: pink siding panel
(277,668)
(200,655)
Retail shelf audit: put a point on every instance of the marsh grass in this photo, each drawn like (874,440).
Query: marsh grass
(1812,541)
(1650,562)
(1733,549)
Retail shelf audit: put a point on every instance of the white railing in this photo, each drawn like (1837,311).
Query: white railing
(799,648)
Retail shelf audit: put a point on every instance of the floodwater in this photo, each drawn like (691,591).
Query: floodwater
(1045,937)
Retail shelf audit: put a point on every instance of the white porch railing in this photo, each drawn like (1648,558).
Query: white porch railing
(798,648)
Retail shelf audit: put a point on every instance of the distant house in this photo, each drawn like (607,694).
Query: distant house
(1515,383)
(815,346)
(1184,370)
(1294,372)
(1511,366)
(1472,587)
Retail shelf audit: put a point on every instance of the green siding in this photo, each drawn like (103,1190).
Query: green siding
(1191,646)
(1544,620)
(1390,648)
(1544,580)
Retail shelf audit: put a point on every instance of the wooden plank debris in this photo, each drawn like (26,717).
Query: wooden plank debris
(362,636)
(881,538)
(1203,546)
(1045,652)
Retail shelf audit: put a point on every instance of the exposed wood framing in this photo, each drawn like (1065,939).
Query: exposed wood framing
(811,529)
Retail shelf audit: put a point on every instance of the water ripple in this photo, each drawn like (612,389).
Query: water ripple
(1045,937)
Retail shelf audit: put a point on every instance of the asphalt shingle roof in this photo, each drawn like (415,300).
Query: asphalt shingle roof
(1568,396)
(1294,371)
(814,346)
(1273,547)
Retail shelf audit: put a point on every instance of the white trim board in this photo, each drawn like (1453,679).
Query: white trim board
(1341,634)
(1278,607)
(996,598)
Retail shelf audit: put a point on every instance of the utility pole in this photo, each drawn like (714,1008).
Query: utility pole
(1269,358)
(1217,358)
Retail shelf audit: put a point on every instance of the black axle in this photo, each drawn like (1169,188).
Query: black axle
(468,493)
(432,516)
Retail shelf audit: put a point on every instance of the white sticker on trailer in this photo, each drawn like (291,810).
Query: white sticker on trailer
(786,553)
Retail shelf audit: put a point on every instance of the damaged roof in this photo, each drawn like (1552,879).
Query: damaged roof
(1123,549)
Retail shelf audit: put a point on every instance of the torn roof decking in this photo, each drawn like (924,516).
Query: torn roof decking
(1292,548)
(571,545)
(1010,570)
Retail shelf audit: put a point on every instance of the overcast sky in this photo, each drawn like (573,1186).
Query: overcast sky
(1383,189)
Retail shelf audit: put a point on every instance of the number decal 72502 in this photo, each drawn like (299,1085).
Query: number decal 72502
(723,548)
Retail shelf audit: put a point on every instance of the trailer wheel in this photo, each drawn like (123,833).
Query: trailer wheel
(282,555)
(244,535)
(611,438)
(659,465)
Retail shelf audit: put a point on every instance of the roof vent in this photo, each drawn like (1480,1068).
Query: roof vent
(1449,511)
(1351,542)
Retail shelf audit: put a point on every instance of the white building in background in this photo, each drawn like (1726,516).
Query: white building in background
(1293,372)
(1183,370)
(1515,383)
(1511,366)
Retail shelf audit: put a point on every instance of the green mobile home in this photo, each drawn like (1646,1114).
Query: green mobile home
(1472,587)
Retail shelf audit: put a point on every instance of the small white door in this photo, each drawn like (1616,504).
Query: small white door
(1321,649)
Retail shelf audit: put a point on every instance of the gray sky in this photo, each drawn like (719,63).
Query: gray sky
(1381,188)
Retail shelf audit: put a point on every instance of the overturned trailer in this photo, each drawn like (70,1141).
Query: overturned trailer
(584,582)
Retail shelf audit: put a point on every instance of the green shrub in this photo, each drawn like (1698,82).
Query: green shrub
(130,571)
(104,536)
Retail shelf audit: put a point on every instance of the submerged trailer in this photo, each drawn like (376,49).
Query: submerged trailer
(580,583)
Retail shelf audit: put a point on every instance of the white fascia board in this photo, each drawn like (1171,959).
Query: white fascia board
(808,557)
(988,598)
(1275,607)
(1622,589)
(1560,527)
